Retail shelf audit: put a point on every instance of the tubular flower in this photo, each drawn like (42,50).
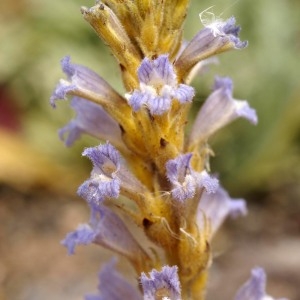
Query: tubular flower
(158,87)
(151,178)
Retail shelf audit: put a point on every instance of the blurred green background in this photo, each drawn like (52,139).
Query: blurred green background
(260,163)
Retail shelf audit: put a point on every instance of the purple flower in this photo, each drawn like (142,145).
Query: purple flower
(185,180)
(158,87)
(103,181)
(162,285)
(215,38)
(113,286)
(218,110)
(255,287)
(109,177)
(216,207)
(109,231)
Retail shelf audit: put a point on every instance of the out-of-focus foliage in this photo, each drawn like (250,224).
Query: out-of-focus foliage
(36,34)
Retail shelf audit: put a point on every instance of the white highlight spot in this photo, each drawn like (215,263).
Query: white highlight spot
(211,21)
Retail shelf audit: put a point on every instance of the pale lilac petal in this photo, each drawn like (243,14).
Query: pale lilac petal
(105,157)
(179,173)
(159,105)
(210,184)
(83,235)
(96,189)
(81,78)
(113,286)
(219,110)
(232,31)
(185,180)
(255,287)
(165,283)
(145,70)
(138,99)
(112,233)
(184,93)
(91,119)
(216,37)
(109,231)
(178,168)
(103,181)
(158,87)
(108,177)
(165,70)
(217,207)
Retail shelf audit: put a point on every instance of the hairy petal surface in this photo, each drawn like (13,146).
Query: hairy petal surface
(217,207)
(255,287)
(162,285)
(219,110)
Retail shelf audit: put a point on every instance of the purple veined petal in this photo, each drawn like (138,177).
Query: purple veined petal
(103,182)
(82,78)
(214,38)
(162,285)
(184,93)
(185,181)
(108,177)
(159,105)
(113,286)
(90,119)
(255,287)
(179,173)
(145,70)
(140,98)
(219,110)
(165,70)
(178,168)
(158,87)
(217,207)
(105,157)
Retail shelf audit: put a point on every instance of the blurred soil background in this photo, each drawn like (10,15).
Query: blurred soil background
(39,175)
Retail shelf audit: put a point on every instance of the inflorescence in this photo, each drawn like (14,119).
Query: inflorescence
(148,170)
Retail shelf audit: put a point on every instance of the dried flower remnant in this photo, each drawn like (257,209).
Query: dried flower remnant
(150,171)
